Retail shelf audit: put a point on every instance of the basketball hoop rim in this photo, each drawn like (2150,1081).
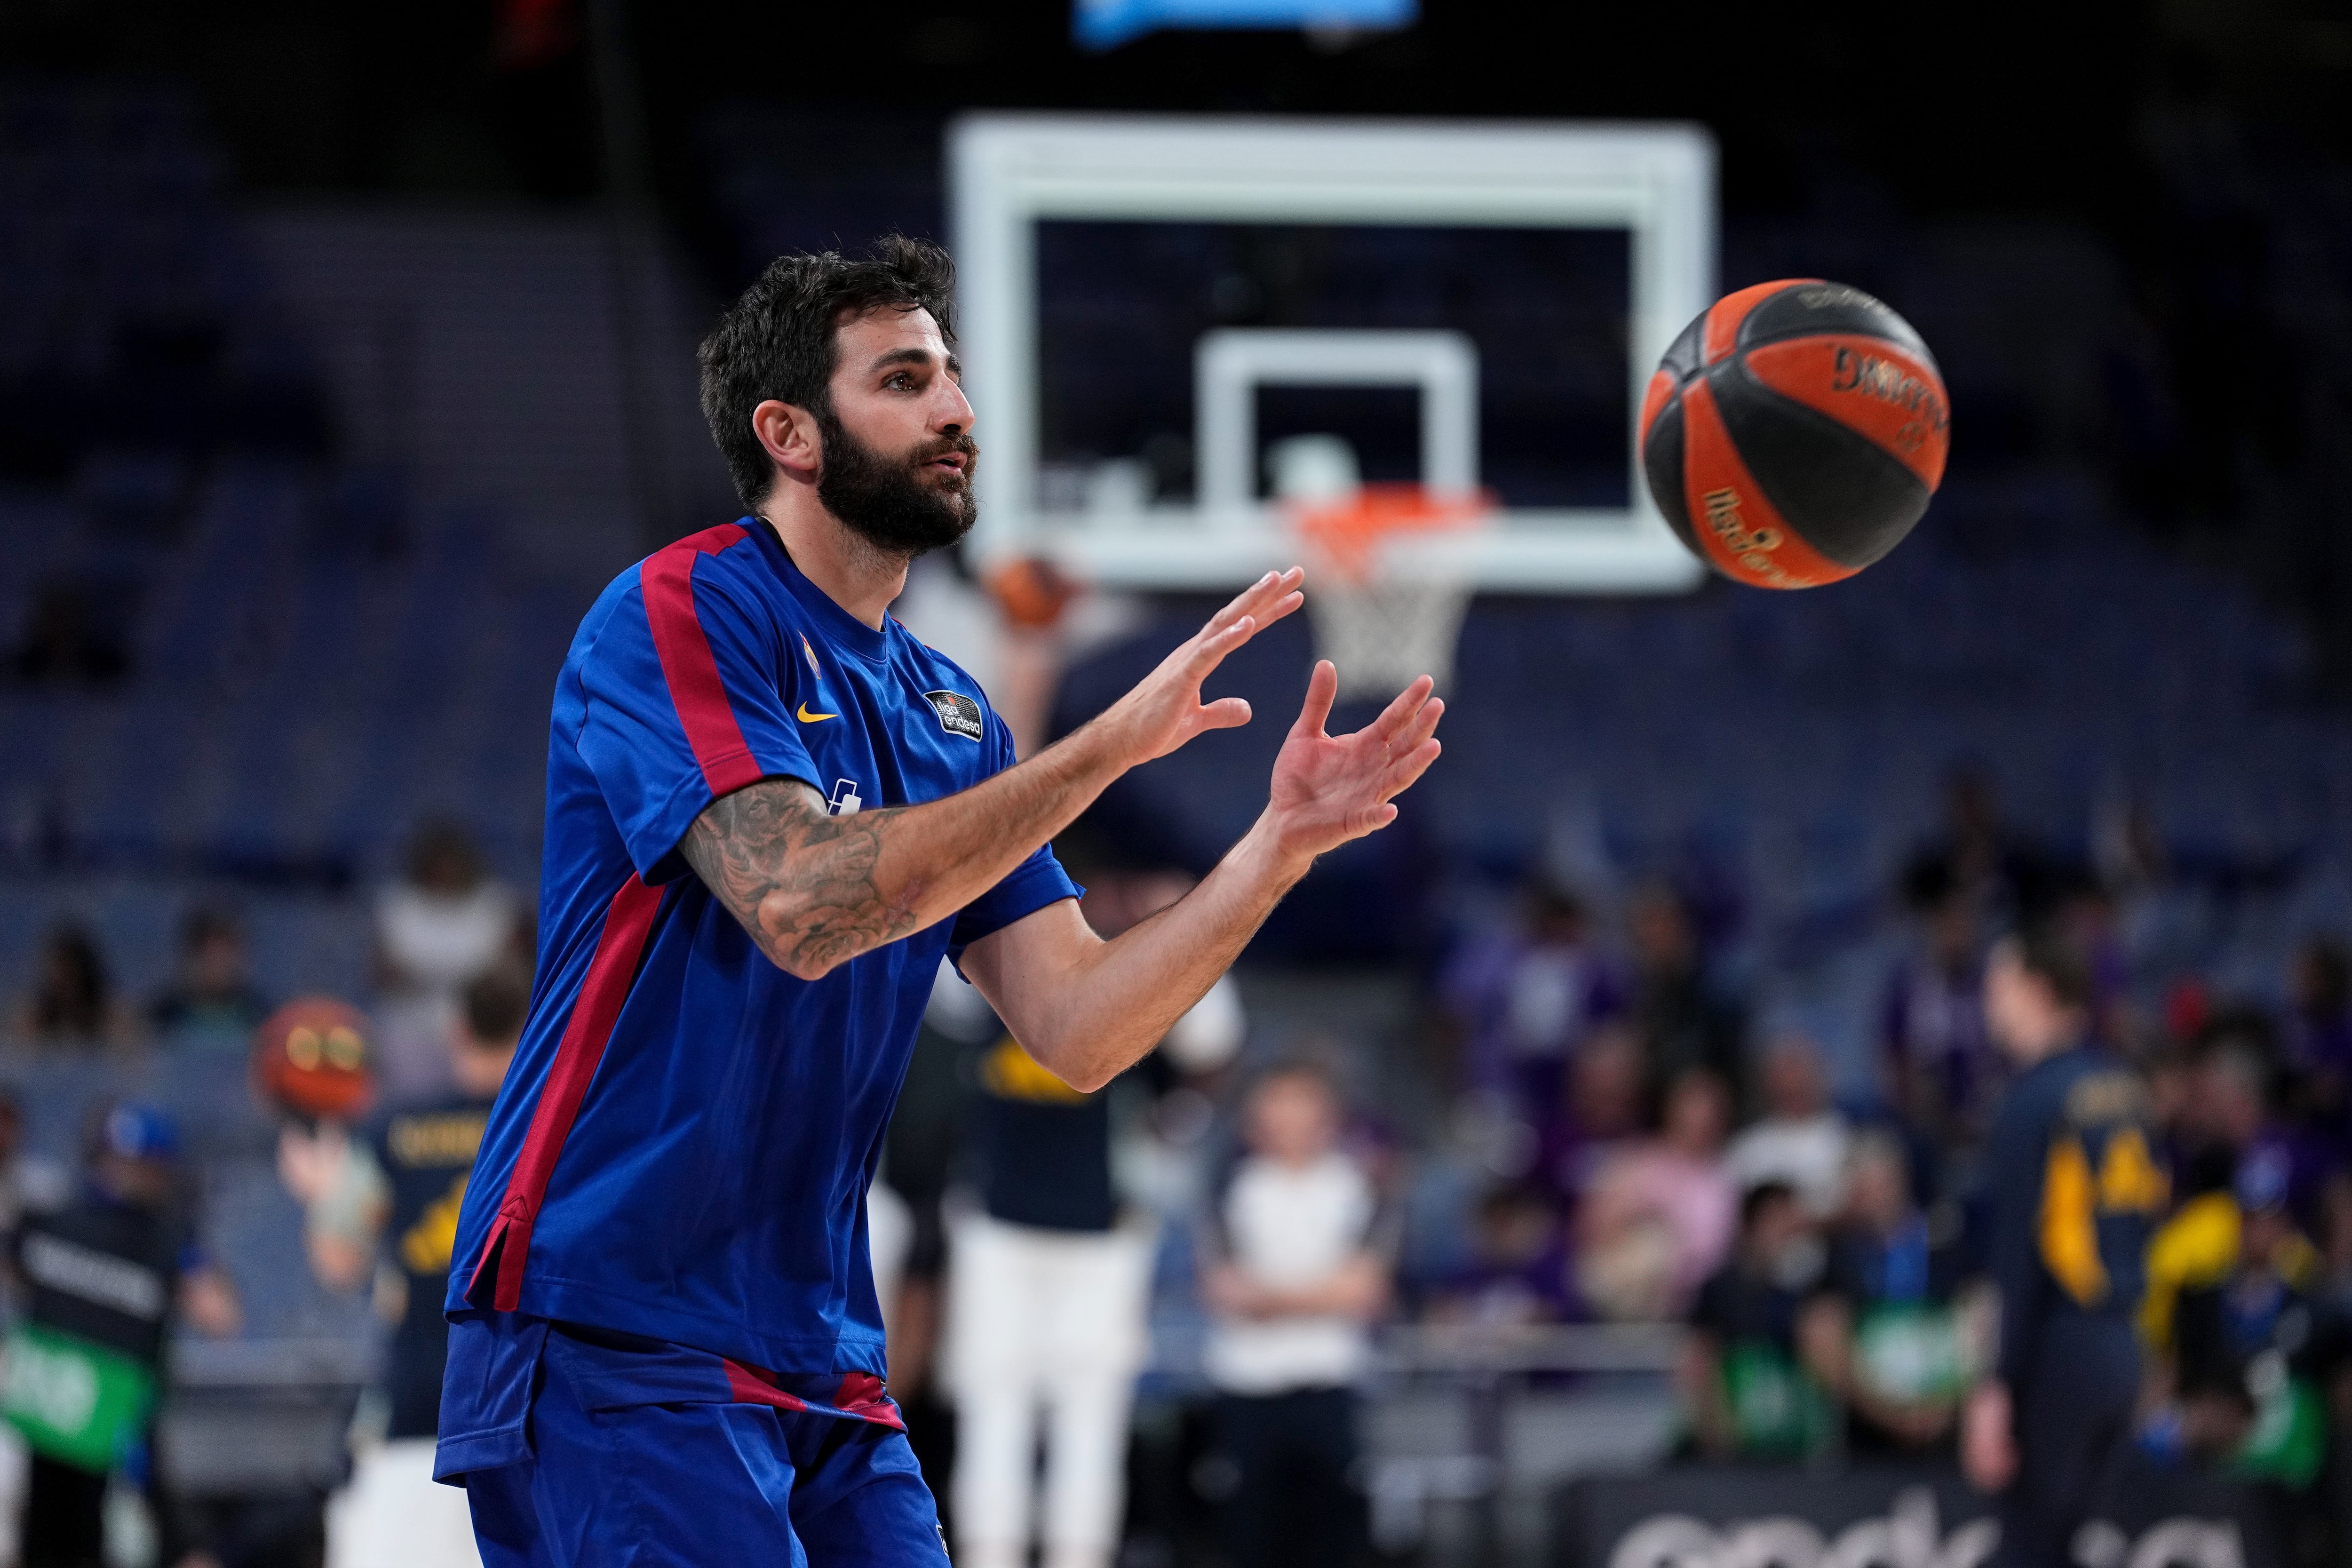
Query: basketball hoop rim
(1348,532)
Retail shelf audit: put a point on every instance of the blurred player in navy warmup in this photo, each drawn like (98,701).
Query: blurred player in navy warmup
(403,1186)
(770,811)
(2075,1192)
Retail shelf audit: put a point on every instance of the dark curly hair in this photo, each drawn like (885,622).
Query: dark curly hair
(777,341)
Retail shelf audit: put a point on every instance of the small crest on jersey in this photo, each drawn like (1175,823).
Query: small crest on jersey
(959,714)
(810,654)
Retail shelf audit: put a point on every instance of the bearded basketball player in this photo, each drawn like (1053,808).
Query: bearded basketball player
(770,812)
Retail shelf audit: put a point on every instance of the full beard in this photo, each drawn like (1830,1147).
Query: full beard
(890,502)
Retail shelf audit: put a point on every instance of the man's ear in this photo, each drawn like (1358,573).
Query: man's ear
(788,435)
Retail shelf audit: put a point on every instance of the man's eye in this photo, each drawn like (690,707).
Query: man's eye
(902,380)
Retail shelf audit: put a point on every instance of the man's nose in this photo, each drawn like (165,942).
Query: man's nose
(953,414)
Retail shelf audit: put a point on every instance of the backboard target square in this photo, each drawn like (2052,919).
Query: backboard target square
(1103,258)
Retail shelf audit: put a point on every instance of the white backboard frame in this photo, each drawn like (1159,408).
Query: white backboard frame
(1008,172)
(1230,363)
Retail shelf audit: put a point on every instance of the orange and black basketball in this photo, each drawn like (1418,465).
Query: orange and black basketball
(1794,433)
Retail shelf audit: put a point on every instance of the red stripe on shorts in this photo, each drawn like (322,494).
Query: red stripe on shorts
(628,921)
(751,1385)
(865,1395)
(667,580)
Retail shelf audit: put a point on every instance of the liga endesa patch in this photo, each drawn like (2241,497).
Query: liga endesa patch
(959,714)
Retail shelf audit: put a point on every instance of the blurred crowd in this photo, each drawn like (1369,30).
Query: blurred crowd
(1622,1139)
(1653,1154)
(369,1120)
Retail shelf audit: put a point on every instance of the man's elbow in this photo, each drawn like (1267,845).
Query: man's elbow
(1081,1071)
(795,954)
(798,963)
(1086,1078)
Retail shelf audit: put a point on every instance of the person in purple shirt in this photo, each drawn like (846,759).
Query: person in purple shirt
(1942,1074)
(770,812)
(1526,995)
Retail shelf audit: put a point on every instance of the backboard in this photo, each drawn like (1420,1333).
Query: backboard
(1149,306)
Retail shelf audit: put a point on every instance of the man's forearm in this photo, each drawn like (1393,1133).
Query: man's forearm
(1090,1026)
(815,890)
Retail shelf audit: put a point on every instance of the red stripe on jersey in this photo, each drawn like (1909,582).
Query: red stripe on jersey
(628,921)
(667,579)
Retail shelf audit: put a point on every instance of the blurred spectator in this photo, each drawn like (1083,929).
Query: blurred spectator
(107,1277)
(213,997)
(1683,1019)
(71,1002)
(400,1186)
(2319,1038)
(1887,1336)
(1801,1140)
(1603,1111)
(1942,1074)
(2221,1115)
(1519,1268)
(30,1184)
(1745,1391)
(2235,1113)
(2260,1353)
(1661,1214)
(444,922)
(1526,995)
(1980,855)
(1050,1290)
(1301,1256)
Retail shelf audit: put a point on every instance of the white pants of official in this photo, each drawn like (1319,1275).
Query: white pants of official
(1051,1322)
(394,1514)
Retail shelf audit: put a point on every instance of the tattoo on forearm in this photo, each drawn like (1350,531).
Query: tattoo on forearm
(802,883)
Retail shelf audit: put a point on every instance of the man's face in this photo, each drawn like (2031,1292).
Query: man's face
(216,967)
(2016,1005)
(898,452)
(1291,1119)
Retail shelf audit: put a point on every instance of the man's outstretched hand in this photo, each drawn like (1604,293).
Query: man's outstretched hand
(1165,710)
(1331,788)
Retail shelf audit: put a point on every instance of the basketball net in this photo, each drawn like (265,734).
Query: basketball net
(1385,610)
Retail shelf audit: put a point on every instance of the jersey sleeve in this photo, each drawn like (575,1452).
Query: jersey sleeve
(2018,1151)
(687,698)
(1029,887)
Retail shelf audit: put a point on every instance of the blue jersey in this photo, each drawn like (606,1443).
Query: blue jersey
(2075,1194)
(682,1148)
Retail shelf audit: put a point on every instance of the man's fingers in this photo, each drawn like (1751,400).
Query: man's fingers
(1224,713)
(1215,642)
(1392,722)
(1420,727)
(1405,770)
(1284,597)
(1213,647)
(1259,597)
(1322,689)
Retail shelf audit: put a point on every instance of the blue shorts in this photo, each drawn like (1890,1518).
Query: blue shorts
(621,1453)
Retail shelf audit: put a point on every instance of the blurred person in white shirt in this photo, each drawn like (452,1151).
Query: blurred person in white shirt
(446,922)
(1801,1139)
(1302,1257)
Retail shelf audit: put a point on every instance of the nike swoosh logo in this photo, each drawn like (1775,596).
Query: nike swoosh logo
(806,717)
